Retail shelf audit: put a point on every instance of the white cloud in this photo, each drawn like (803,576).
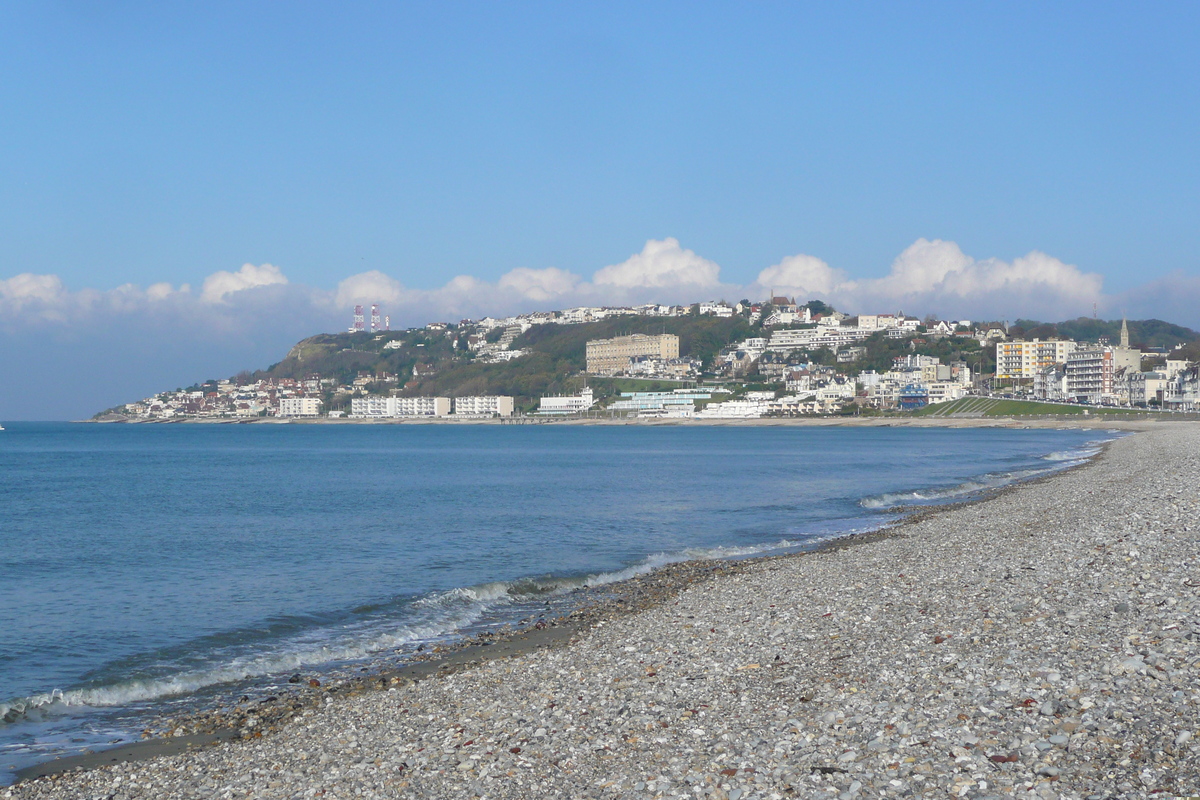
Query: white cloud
(220,285)
(936,276)
(369,287)
(32,299)
(29,288)
(161,291)
(921,268)
(799,275)
(1034,273)
(45,298)
(661,264)
(539,284)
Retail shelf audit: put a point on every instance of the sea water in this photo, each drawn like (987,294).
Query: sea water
(148,568)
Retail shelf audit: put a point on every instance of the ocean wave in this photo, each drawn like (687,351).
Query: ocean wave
(526,589)
(1060,459)
(284,658)
(1078,454)
(444,614)
(934,495)
(658,560)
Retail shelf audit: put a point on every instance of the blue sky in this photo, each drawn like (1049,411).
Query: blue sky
(359,151)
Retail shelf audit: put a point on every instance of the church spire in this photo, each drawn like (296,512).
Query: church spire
(1124,333)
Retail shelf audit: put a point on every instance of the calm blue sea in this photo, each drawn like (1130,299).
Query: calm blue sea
(145,568)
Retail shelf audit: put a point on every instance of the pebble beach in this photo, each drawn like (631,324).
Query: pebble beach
(1043,643)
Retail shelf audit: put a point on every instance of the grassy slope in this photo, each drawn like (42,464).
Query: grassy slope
(989,407)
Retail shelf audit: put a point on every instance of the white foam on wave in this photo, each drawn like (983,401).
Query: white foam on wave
(1078,454)
(934,495)
(658,560)
(496,593)
(452,611)
(277,661)
(445,612)
(1061,459)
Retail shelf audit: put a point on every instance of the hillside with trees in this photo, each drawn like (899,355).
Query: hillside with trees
(1145,334)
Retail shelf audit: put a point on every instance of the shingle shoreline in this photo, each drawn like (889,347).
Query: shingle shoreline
(1044,643)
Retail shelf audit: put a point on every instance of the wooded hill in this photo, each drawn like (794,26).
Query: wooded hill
(1143,334)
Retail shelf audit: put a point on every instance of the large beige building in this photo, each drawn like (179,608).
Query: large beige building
(1023,360)
(610,356)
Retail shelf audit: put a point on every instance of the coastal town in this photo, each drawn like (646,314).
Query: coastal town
(794,359)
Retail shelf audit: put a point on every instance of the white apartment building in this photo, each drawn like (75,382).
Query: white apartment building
(299,407)
(421,406)
(788,316)
(1092,369)
(884,394)
(831,336)
(945,391)
(754,347)
(1136,388)
(665,368)
(1175,366)
(376,407)
(935,372)
(1021,360)
(371,406)
(484,406)
(735,409)
(716,309)
(1183,390)
(875,322)
(914,362)
(1050,383)
(868,378)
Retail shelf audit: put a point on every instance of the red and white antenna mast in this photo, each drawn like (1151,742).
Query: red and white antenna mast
(375,326)
(358,320)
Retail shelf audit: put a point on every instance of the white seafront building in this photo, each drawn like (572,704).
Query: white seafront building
(493,405)
(676,403)
(399,407)
(752,406)
(570,404)
(299,407)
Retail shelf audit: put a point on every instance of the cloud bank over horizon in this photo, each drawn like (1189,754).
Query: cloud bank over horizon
(133,340)
(929,277)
